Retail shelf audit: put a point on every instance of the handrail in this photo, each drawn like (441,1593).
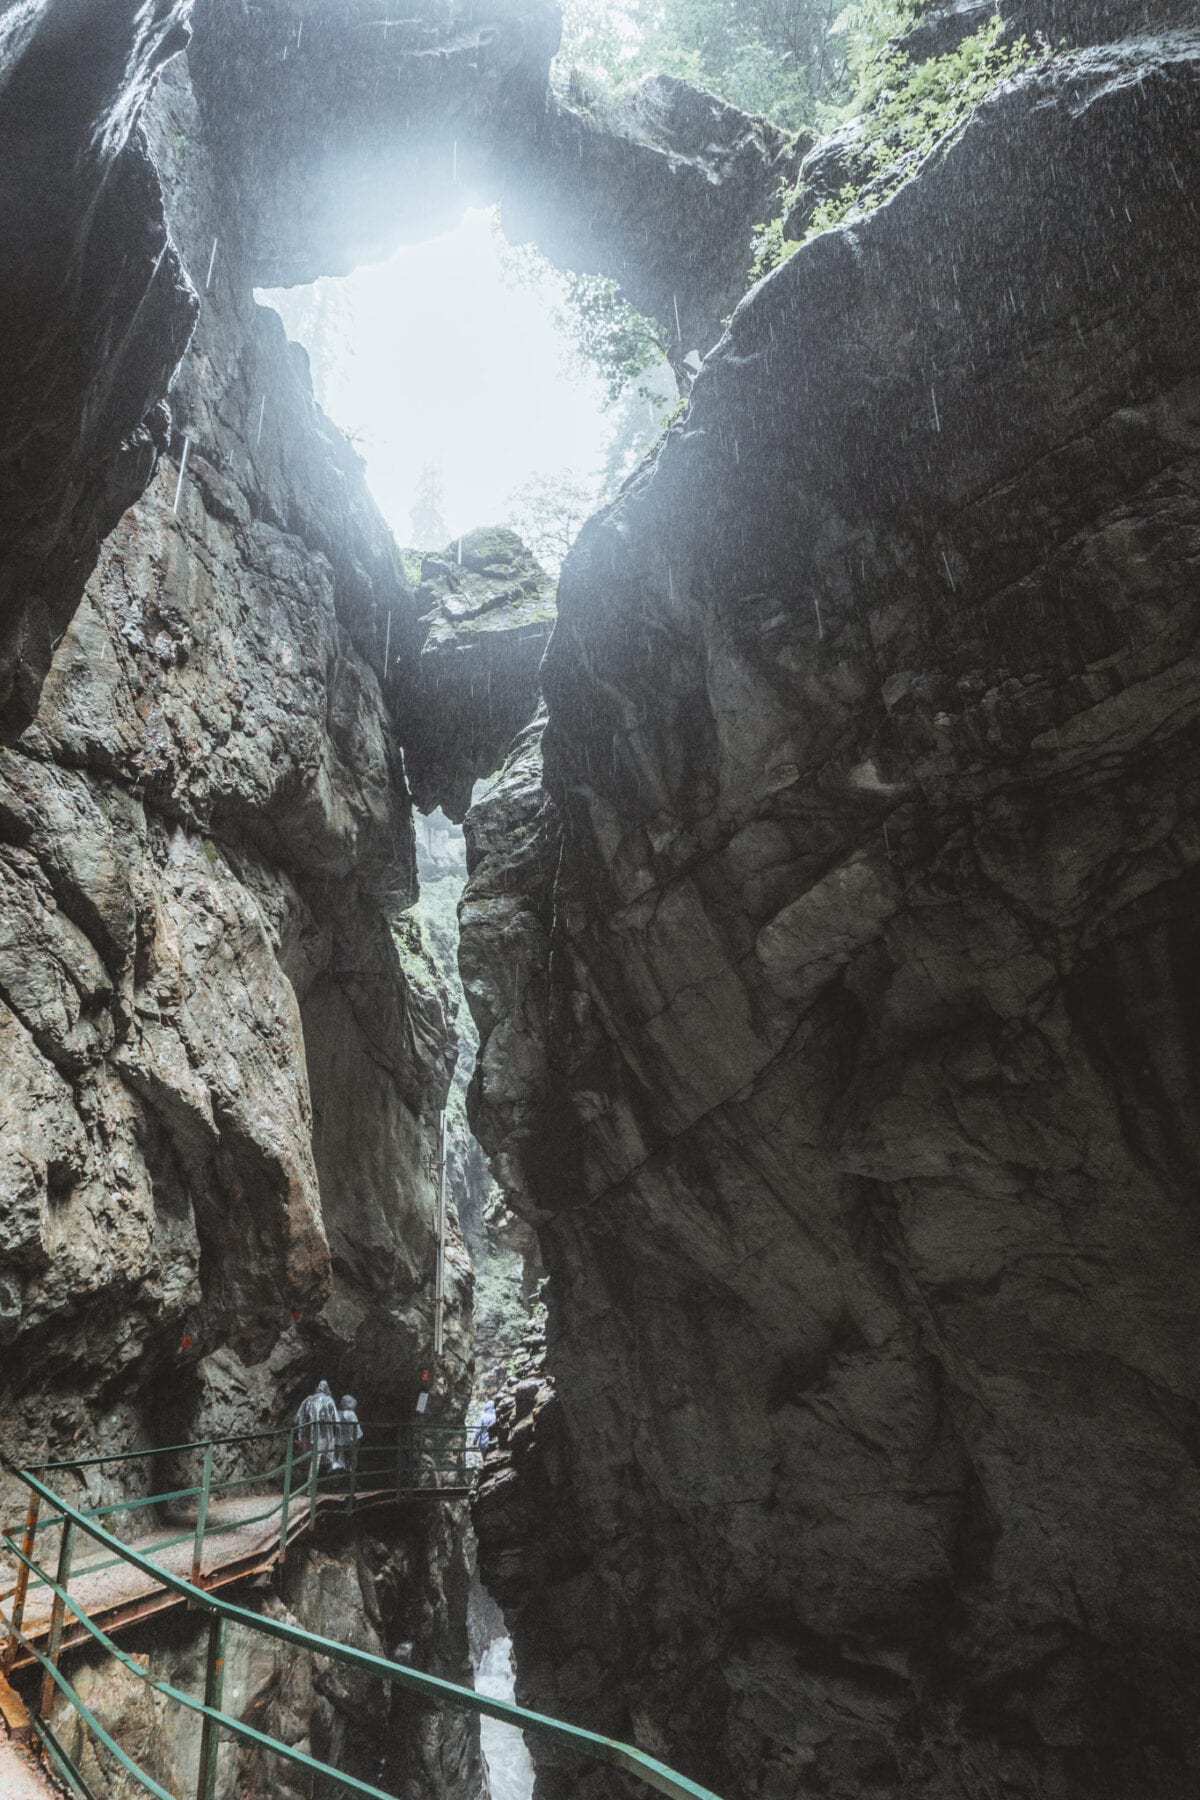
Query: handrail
(242,1437)
(86,1462)
(202,1532)
(420,1455)
(221,1612)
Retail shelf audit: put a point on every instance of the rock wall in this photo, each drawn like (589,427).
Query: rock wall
(487,608)
(399,1593)
(95,310)
(837,1003)
(660,190)
(353,130)
(835,985)
(224,1055)
(209,844)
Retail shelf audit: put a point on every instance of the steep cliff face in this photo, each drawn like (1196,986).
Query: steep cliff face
(223,1059)
(352,130)
(835,983)
(209,842)
(837,1003)
(95,311)
(487,608)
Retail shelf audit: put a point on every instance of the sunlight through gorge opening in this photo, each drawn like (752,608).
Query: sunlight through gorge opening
(450,367)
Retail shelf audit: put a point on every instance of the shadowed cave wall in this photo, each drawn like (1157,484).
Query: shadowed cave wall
(834,979)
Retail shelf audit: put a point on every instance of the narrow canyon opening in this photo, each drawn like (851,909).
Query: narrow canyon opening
(452,369)
(599,864)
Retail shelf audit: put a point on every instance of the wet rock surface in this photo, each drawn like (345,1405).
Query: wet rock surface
(95,305)
(852,1060)
(486,609)
(208,842)
(661,190)
(348,130)
(223,1058)
(373,1591)
(505,921)
(352,128)
(835,980)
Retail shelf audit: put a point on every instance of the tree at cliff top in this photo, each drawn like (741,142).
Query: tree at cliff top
(548,512)
(790,59)
(608,337)
(427,517)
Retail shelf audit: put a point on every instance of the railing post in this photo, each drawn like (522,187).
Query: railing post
(214,1681)
(287,1492)
(405,1458)
(62,1581)
(202,1515)
(353,1473)
(28,1543)
(313,1470)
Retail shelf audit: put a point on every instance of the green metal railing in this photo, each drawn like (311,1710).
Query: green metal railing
(392,1461)
(428,1452)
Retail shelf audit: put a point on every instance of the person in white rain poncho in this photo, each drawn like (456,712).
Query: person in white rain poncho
(316,1425)
(348,1431)
(487,1419)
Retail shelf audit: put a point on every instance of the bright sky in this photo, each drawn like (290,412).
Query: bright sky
(434,357)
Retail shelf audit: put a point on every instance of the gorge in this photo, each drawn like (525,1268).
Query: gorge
(829,927)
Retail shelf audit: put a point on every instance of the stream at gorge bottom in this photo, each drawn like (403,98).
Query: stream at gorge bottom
(510,1770)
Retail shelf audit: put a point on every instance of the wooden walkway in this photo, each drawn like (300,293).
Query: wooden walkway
(118,1596)
(236,1544)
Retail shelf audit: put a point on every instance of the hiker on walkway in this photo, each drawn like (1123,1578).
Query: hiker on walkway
(487,1419)
(316,1425)
(348,1432)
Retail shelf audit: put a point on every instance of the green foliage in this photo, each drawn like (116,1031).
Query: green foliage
(548,511)
(863,30)
(905,109)
(787,59)
(420,968)
(609,336)
(599,35)
(770,247)
(500,1313)
(435,914)
(908,107)
(610,339)
(426,519)
(639,419)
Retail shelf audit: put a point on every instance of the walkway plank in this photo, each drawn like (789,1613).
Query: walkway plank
(119,1596)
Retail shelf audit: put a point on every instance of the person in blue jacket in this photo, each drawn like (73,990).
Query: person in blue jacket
(487,1419)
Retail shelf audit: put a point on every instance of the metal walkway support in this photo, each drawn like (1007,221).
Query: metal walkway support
(220,1531)
(439,1274)
(71,1622)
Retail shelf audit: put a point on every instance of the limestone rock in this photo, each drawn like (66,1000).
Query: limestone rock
(346,130)
(661,191)
(487,610)
(95,308)
(384,129)
(505,920)
(856,1109)
(223,1066)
